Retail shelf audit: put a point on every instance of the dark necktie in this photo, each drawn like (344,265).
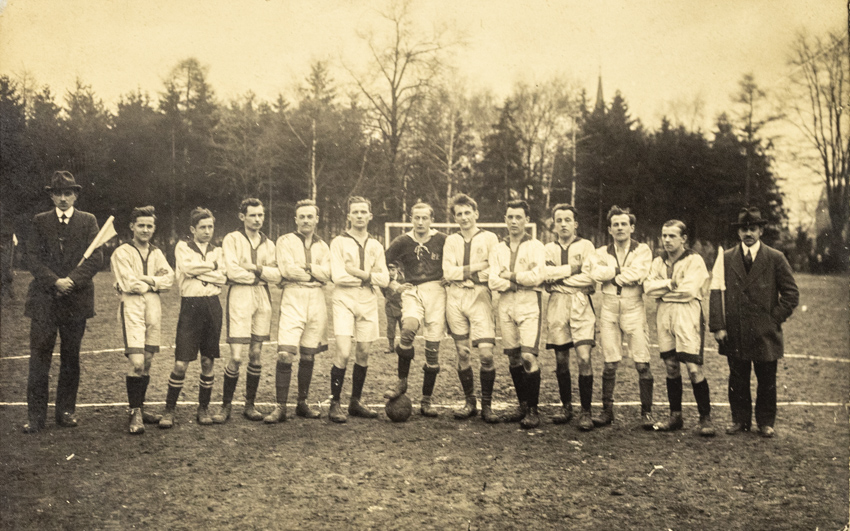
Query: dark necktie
(748,260)
(64,219)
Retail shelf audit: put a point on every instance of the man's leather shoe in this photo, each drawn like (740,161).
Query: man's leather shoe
(357,409)
(767,432)
(399,389)
(706,428)
(203,416)
(167,420)
(736,428)
(251,413)
(647,422)
(278,414)
(488,415)
(605,418)
(66,420)
(32,427)
(426,409)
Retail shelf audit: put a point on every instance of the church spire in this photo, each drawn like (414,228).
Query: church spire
(600,100)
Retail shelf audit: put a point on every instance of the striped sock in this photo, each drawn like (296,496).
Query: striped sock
(230,379)
(205,386)
(252,381)
(175,385)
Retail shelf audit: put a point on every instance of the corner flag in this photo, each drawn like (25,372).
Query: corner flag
(106,233)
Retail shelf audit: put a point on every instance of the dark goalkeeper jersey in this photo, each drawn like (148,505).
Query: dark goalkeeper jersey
(420,262)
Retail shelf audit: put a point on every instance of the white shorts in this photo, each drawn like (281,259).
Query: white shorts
(355,312)
(249,313)
(303,320)
(570,319)
(469,312)
(623,316)
(427,304)
(680,329)
(519,319)
(141,318)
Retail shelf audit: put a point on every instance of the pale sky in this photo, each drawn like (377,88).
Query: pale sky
(657,53)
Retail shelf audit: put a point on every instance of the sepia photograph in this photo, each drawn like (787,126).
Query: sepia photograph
(421,264)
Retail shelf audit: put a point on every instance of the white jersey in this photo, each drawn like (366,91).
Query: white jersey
(525,265)
(369,257)
(302,265)
(568,269)
(458,254)
(194,277)
(622,276)
(237,249)
(128,265)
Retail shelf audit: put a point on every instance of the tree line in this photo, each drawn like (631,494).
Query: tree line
(407,131)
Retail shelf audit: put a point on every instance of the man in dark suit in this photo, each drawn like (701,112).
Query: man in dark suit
(760,295)
(60,298)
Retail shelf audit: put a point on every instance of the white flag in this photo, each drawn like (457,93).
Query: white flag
(718,272)
(106,233)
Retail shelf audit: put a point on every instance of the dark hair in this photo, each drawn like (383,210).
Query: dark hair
(683,229)
(617,211)
(421,204)
(357,199)
(249,202)
(307,202)
(463,200)
(519,203)
(141,212)
(564,206)
(198,214)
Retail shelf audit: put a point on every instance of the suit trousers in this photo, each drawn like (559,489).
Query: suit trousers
(740,399)
(42,341)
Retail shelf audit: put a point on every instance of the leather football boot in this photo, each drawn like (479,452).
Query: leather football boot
(137,425)
(605,418)
(305,411)
(251,413)
(278,414)
(167,420)
(33,426)
(426,409)
(470,409)
(736,428)
(357,409)
(488,415)
(706,428)
(672,423)
(531,420)
(335,413)
(565,417)
(396,391)
(517,414)
(204,417)
(585,423)
(223,414)
(150,418)
(767,432)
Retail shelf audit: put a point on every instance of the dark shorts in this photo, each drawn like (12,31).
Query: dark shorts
(198,328)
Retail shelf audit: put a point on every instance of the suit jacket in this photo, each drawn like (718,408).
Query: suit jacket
(756,305)
(53,252)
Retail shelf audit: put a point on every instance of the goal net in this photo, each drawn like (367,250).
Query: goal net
(394,229)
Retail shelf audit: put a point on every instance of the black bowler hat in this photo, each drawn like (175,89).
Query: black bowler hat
(749,216)
(62,180)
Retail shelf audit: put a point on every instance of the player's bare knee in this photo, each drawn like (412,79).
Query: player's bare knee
(610,369)
(529,362)
(694,373)
(285,357)
(207,365)
(407,336)
(643,370)
(673,369)
(180,368)
(562,358)
(307,358)
(361,356)
(432,357)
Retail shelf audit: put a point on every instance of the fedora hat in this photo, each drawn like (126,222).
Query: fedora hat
(749,216)
(62,180)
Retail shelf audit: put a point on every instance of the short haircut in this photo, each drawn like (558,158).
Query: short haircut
(198,214)
(141,212)
(463,200)
(683,229)
(422,204)
(357,199)
(564,206)
(307,202)
(617,211)
(519,203)
(250,202)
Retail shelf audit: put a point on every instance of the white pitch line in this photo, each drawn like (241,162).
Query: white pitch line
(331,340)
(442,406)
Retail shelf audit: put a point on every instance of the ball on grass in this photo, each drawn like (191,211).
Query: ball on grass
(399,409)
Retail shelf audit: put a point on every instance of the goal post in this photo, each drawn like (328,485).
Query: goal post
(393,229)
